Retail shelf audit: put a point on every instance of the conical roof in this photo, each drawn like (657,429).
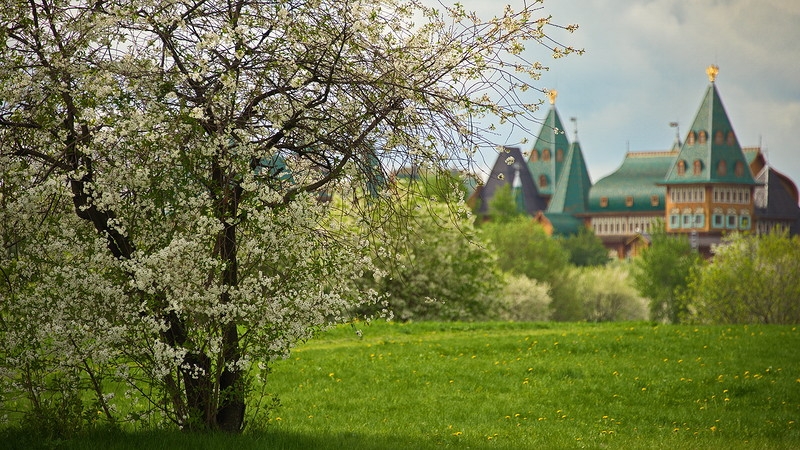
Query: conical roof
(711,152)
(571,194)
(547,155)
(508,166)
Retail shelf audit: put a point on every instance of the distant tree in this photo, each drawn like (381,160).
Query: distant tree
(661,273)
(608,294)
(522,300)
(442,186)
(503,206)
(751,279)
(586,249)
(524,248)
(432,262)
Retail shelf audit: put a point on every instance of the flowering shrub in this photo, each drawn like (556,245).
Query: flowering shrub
(162,169)
(523,300)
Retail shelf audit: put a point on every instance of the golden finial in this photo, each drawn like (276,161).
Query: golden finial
(712,72)
(552,94)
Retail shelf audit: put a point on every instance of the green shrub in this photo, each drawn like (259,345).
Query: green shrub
(523,300)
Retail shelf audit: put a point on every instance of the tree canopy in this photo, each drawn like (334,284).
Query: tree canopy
(751,279)
(661,273)
(163,164)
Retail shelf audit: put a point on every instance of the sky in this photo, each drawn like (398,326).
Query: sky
(644,67)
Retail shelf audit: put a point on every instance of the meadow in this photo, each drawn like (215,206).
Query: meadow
(433,385)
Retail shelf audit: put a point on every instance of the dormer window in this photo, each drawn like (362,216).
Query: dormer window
(730,138)
(546,154)
(542,180)
(697,167)
(603,202)
(681,167)
(738,169)
(719,137)
(722,168)
(534,155)
(559,155)
(654,200)
(701,137)
(690,138)
(629,201)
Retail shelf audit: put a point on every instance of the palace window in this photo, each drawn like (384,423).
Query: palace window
(654,200)
(729,194)
(738,169)
(603,202)
(744,222)
(629,201)
(675,221)
(681,167)
(697,167)
(687,221)
(699,220)
(731,221)
(730,138)
(717,220)
(722,168)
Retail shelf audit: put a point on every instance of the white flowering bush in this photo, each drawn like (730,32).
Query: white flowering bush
(163,171)
(522,299)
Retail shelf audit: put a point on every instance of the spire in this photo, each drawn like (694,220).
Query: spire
(712,71)
(548,152)
(711,152)
(571,195)
(551,95)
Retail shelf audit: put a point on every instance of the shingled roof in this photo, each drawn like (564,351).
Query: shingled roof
(547,154)
(571,195)
(711,152)
(638,178)
(528,198)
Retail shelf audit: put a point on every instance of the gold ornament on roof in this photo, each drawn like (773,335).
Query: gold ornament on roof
(712,72)
(552,94)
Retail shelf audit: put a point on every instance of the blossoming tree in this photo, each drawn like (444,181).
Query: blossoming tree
(161,169)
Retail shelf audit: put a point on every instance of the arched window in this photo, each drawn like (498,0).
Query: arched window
(546,154)
(722,168)
(543,180)
(701,137)
(697,167)
(719,137)
(730,139)
(738,169)
(559,155)
(534,155)
(690,138)
(681,167)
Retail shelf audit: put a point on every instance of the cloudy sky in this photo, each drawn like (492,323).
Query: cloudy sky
(644,67)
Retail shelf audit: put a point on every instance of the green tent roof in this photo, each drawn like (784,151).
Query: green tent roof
(551,140)
(711,152)
(571,194)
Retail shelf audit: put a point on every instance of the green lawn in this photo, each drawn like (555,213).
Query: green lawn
(518,386)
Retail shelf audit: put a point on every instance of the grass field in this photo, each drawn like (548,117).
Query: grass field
(524,386)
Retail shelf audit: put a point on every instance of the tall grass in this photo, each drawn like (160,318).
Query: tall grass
(518,386)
